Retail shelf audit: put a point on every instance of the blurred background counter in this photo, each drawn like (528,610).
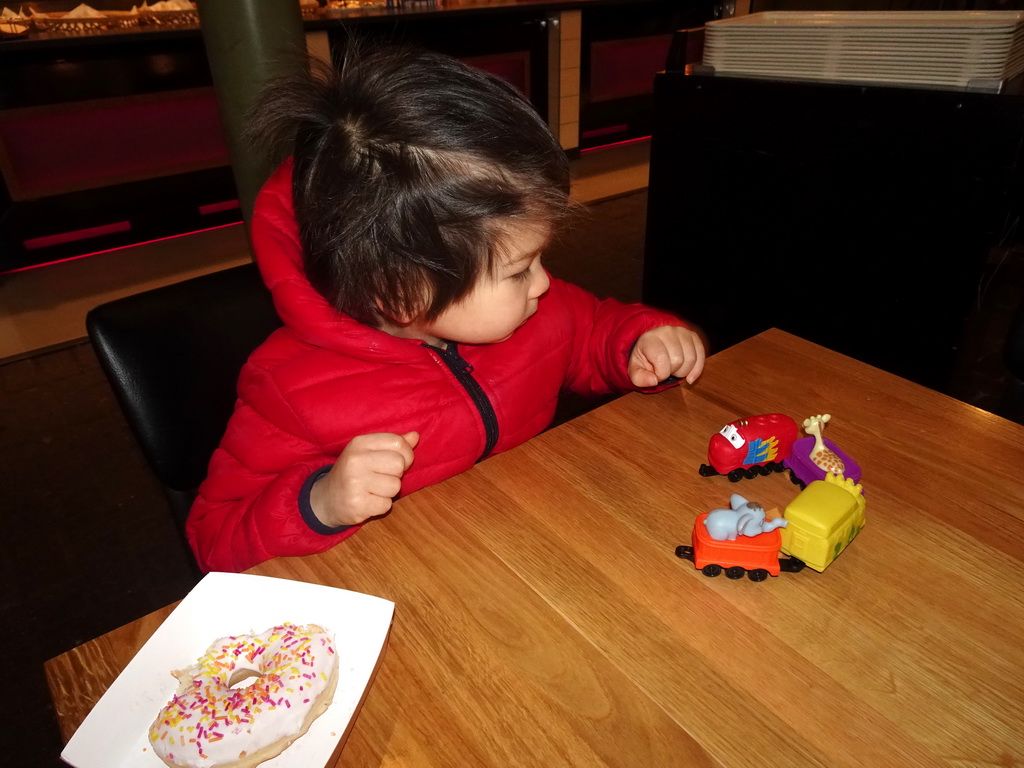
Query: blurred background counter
(111,136)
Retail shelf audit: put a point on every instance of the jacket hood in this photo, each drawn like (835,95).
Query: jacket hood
(307,314)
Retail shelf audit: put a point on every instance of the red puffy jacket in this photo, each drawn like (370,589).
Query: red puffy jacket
(325,378)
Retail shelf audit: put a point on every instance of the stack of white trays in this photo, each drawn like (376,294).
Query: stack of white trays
(971,50)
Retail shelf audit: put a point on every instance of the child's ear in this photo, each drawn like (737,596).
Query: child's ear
(398,316)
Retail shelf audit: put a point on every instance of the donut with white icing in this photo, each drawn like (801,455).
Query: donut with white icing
(208,723)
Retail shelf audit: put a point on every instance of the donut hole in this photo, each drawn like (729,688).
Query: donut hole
(243,678)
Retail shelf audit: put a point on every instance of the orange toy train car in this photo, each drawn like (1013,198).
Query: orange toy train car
(755,556)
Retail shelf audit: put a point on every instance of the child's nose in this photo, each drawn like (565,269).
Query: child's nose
(541,283)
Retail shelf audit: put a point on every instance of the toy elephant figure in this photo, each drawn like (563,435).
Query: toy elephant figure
(745,518)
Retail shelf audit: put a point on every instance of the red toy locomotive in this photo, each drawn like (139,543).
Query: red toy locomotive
(753,446)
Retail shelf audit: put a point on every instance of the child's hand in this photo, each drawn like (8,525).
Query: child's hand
(364,480)
(663,352)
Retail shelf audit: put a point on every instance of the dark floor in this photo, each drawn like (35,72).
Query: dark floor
(89,539)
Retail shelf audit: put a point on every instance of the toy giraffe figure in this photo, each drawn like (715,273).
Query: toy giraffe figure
(820,455)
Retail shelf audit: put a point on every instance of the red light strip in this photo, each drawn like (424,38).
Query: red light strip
(77,234)
(227,205)
(615,144)
(118,248)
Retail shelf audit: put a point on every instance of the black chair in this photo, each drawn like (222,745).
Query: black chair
(172,356)
(1013,356)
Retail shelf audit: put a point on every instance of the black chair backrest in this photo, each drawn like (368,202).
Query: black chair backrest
(172,356)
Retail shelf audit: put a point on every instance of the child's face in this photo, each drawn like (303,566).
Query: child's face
(499,303)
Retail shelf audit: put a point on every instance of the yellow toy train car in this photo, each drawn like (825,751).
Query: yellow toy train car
(823,520)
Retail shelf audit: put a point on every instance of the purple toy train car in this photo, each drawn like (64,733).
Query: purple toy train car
(803,469)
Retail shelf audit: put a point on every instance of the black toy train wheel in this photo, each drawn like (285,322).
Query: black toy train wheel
(736,475)
(758,574)
(735,572)
(711,570)
(706,471)
(763,469)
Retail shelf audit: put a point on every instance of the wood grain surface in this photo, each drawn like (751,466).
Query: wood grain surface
(542,618)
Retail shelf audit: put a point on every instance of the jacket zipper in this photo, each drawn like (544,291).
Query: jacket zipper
(463,373)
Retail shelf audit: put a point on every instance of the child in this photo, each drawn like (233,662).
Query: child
(402,242)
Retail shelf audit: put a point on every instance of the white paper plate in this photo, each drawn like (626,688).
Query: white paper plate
(945,48)
(116,732)
(944,51)
(854,33)
(826,68)
(906,22)
(856,79)
(872,58)
(822,70)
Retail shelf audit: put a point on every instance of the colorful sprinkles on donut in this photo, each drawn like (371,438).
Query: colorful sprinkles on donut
(247,698)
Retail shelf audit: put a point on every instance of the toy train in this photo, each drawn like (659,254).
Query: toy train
(761,445)
(819,524)
(823,519)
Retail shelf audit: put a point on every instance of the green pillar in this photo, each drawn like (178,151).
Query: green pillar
(248,42)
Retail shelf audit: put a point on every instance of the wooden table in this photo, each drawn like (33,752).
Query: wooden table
(543,619)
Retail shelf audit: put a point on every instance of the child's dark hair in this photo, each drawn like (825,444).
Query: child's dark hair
(406,164)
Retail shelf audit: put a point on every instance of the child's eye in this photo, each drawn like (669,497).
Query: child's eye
(524,275)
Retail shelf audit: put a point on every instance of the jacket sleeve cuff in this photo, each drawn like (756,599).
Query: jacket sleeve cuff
(306,508)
